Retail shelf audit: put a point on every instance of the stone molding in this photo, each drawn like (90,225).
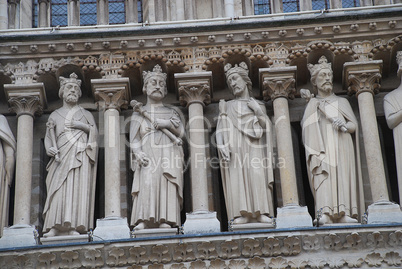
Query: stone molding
(357,247)
(278,82)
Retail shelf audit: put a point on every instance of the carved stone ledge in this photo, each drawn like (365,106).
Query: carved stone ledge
(111,93)
(362,247)
(194,87)
(26,99)
(362,77)
(278,82)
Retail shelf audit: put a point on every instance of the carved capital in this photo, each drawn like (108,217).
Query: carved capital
(362,77)
(278,82)
(194,88)
(26,99)
(111,93)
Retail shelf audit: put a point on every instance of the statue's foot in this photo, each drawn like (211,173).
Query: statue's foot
(325,219)
(264,219)
(164,225)
(347,219)
(51,233)
(73,232)
(241,220)
(140,226)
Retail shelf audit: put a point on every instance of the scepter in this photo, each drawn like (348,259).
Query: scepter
(306,94)
(50,125)
(138,107)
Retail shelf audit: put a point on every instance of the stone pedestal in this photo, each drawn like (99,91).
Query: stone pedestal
(363,79)
(112,95)
(252,227)
(68,239)
(293,216)
(159,232)
(279,85)
(19,235)
(111,228)
(201,223)
(194,91)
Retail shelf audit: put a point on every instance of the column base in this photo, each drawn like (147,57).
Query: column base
(253,226)
(201,223)
(155,232)
(111,228)
(82,238)
(20,235)
(293,216)
(384,212)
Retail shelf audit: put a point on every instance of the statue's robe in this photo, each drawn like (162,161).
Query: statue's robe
(157,189)
(248,177)
(333,158)
(71,182)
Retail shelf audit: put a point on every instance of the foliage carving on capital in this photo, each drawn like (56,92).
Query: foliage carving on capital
(26,105)
(332,242)
(93,258)
(207,250)
(312,243)
(353,241)
(291,246)
(271,247)
(395,239)
(46,260)
(237,264)
(183,252)
(194,93)
(112,99)
(375,240)
(70,259)
(278,263)
(279,87)
(393,258)
(218,264)
(374,259)
(198,265)
(230,249)
(364,82)
(298,263)
(22,261)
(256,263)
(251,248)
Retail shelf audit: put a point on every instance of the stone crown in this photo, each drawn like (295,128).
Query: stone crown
(156,71)
(237,68)
(72,79)
(322,64)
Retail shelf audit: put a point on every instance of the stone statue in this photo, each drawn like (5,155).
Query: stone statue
(330,136)
(244,144)
(7,161)
(156,157)
(71,141)
(393,114)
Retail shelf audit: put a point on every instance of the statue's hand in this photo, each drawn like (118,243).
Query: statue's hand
(162,124)
(225,153)
(142,158)
(52,151)
(338,124)
(253,105)
(74,124)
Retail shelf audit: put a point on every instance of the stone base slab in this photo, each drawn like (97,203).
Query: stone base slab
(252,226)
(293,216)
(201,223)
(64,239)
(155,232)
(18,236)
(111,228)
(383,213)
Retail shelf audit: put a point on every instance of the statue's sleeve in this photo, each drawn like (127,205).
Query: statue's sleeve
(92,144)
(135,140)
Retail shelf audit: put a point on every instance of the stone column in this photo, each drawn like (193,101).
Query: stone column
(131,11)
(43,13)
(277,6)
(3,14)
(279,86)
(12,14)
(194,91)
(26,100)
(180,10)
(148,11)
(73,12)
(25,14)
(229,8)
(102,8)
(112,95)
(363,79)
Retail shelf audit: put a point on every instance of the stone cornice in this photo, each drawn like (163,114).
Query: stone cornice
(353,247)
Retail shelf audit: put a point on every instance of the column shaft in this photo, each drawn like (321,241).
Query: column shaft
(198,159)
(131,11)
(42,21)
(3,14)
(73,13)
(372,147)
(229,8)
(180,10)
(23,176)
(12,15)
(103,12)
(285,151)
(112,163)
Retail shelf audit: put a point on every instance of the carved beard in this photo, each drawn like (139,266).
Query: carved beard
(72,98)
